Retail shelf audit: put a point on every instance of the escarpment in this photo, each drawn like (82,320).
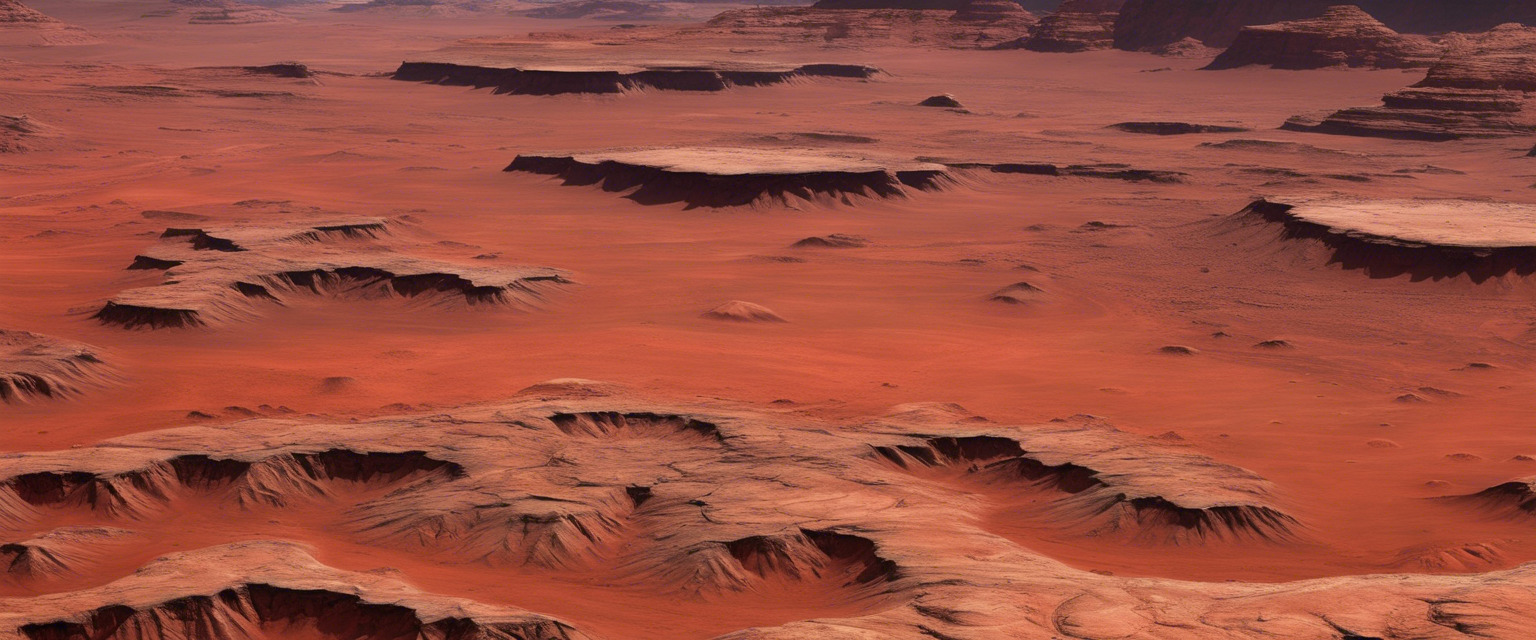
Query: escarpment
(1385,238)
(1097,488)
(1077,25)
(37,367)
(1343,36)
(710,503)
(1480,89)
(1149,24)
(220,275)
(731,177)
(544,82)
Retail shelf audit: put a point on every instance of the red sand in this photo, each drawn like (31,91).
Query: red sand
(905,319)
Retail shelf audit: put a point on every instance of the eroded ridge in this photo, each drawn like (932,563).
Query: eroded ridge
(1515,498)
(124,482)
(1108,483)
(259,590)
(1075,26)
(39,367)
(1423,239)
(1479,89)
(1343,36)
(215,275)
(701,501)
(730,177)
(621,79)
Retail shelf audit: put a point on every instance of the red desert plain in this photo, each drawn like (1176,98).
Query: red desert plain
(632,320)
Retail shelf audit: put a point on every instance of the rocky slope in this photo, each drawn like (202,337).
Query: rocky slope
(1479,89)
(23,25)
(992,11)
(216,275)
(1148,24)
(698,501)
(1078,25)
(1343,36)
(39,367)
(734,177)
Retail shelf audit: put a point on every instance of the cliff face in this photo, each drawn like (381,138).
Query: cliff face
(1343,36)
(1147,24)
(1078,25)
(1480,89)
(993,11)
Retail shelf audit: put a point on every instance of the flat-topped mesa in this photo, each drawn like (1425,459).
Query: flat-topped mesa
(1481,88)
(1158,495)
(1150,24)
(1344,35)
(556,81)
(39,367)
(731,177)
(1423,239)
(1077,25)
(224,274)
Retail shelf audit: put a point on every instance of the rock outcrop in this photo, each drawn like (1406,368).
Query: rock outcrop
(1481,88)
(39,367)
(1078,25)
(215,275)
(943,100)
(696,501)
(732,177)
(813,27)
(742,311)
(637,10)
(1343,36)
(22,133)
(993,11)
(1422,239)
(544,82)
(245,590)
(13,12)
(1148,24)
(23,25)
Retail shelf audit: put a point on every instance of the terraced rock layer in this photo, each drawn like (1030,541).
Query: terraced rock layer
(728,177)
(1078,25)
(1343,36)
(1149,24)
(543,82)
(1479,89)
(992,11)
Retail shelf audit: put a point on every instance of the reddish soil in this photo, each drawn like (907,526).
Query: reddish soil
(1353,397)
